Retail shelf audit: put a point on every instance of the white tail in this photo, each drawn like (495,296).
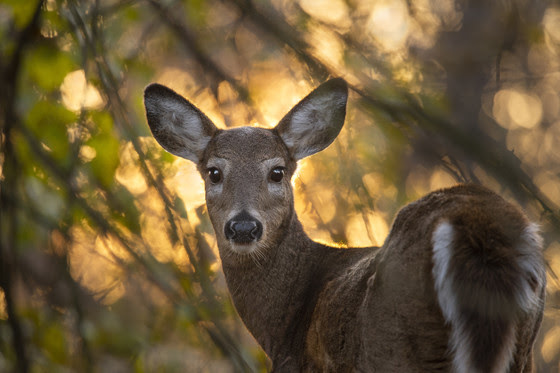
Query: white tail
(457,286)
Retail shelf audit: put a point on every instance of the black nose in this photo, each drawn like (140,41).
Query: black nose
(243,228)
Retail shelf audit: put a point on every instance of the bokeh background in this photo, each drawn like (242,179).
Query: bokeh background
(108,261)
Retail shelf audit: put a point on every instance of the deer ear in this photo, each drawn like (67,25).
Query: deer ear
(315,121)
(177,125)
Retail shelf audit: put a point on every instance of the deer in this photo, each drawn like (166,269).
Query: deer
(457,286)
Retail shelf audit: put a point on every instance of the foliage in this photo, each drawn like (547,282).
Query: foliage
(107,260)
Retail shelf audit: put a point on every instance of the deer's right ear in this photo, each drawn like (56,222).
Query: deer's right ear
(177,125)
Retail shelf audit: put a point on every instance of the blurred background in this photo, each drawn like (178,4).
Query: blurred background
(108,261)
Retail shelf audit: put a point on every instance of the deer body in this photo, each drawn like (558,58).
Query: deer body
(458,285)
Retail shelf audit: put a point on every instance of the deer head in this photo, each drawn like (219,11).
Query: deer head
(247,170)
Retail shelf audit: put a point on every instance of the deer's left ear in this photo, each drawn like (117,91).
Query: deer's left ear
(315,121)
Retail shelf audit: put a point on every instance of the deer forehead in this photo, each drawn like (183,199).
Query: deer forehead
(246,146)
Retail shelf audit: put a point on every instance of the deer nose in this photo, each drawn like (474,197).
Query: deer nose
(243,229)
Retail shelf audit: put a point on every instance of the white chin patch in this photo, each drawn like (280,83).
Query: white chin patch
(243,249)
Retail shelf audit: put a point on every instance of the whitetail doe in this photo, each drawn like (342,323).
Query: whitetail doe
(458,285)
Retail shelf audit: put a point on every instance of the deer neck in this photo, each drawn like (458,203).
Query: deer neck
(275,295)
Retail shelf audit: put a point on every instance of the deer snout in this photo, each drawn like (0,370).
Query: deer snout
(243,229)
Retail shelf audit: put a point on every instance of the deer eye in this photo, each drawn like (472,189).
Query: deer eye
(214,175)
(277,174)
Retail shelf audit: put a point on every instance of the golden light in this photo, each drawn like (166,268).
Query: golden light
(328,11)
(3,313)
(303,172)
(189,186)
(78,94)
(274,92)
(372,182)
(230,106)
(322,201)
(441,179)
(184,84)
(178,80)
(549,186)
(525,110)
(248,43)
(389,24)
(551,23)
(327,47)
(547,150)
(93,263)
(366,229)
(87,153)
(517,109)
(551,344)
(154,232)
(416,182)
(128,173)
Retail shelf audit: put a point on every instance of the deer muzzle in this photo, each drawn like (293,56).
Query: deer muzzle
(243,229)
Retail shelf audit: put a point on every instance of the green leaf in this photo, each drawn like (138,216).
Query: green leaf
(205,223)
(26,161)
(22,11)
(106,146)
(130,216)
(103,121)
(47,66)
(167,157)
(54,343)
(49,122)
(179,207)
(106,159)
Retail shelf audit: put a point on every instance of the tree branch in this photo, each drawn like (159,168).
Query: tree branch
(8,213)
